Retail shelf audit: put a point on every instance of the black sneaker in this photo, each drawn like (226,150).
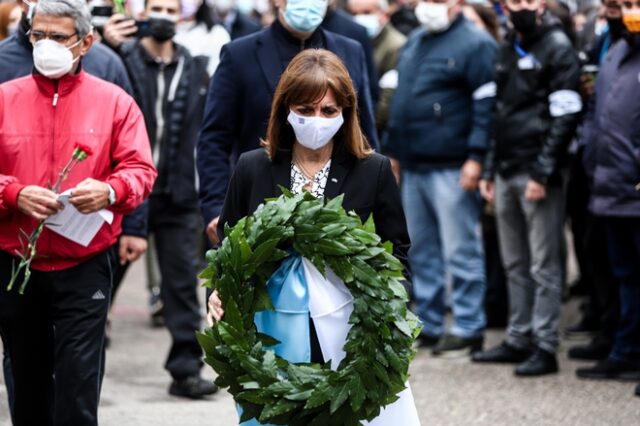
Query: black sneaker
(638,390)
(610,370)
(450,346)
(425,341)
(502,354)
(539,363)
(596,350)
(194,387)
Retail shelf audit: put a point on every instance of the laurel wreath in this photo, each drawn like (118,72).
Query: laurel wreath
(378,346)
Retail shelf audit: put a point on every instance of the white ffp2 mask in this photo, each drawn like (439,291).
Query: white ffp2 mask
(53,59)
(314,132)
(434,17)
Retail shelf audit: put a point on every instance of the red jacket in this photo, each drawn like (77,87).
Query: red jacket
(41,120)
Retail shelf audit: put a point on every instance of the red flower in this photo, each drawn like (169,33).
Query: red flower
(84,148)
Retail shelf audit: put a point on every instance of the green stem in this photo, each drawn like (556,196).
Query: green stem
(30,252)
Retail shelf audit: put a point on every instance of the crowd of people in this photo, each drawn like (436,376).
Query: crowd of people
(499,124)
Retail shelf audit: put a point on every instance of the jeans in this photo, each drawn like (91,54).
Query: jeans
(530,235)
(444,226)
(623,241)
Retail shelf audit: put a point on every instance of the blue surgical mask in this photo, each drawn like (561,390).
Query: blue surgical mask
(305,15)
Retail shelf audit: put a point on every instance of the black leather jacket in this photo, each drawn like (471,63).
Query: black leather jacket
(537,106)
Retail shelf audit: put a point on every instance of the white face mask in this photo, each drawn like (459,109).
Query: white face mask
(434,17)
(221,6)
(314,132)
(52,59)
(371,22)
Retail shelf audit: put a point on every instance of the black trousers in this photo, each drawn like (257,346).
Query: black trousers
(496,300)
(177,230)
(604,294)
(56,329)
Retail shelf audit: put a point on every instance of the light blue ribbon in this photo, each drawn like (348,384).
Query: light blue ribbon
(289,321)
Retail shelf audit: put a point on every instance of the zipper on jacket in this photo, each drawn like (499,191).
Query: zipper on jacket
(55,93)
(53,144)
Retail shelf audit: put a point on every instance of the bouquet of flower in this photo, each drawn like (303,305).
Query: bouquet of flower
(80,153)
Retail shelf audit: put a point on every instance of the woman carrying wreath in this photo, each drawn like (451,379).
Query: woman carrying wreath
(314,143)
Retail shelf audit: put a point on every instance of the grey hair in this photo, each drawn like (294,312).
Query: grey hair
(74,9)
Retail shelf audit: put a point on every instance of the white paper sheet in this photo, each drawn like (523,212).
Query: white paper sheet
(75,226)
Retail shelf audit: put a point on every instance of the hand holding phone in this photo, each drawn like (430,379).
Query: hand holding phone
(119,29)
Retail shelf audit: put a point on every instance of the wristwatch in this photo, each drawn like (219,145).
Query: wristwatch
(112,195)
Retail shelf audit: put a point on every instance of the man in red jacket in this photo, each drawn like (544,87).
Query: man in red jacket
(56,329)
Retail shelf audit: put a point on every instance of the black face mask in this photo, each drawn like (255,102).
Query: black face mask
(616,27)
(161,29)
(524,21)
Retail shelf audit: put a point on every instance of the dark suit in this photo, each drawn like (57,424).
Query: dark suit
(240,95)
(368,185)
(340,22)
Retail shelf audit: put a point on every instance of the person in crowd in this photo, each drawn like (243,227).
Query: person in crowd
(340,22)
(602,310)
(170,85)
(216,23)
(70,284)
(16,50)
(240,94)
(387,42)
(314,143)
(496,304)
(101,62)
(563,11)
(537,109)
(227,14)
(402,16)
(612,158)
(10,14)
(438,131)
(483,15)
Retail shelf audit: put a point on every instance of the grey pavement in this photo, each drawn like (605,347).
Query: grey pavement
(447,391)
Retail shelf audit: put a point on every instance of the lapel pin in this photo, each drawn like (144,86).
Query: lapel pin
(334,180)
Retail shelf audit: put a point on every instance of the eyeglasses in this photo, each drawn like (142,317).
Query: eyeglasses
(37,36)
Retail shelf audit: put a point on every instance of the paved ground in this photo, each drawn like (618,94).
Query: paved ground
(447,392)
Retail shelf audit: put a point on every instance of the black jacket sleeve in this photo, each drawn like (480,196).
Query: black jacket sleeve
(389,218)
(136,223)
(565,105)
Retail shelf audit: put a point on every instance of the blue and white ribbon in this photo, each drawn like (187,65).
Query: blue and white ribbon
(298,291)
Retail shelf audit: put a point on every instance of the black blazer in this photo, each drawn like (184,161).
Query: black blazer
(368,186)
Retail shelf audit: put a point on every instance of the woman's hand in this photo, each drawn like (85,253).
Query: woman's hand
(215,309)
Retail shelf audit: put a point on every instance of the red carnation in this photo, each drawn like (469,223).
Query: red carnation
(85,148)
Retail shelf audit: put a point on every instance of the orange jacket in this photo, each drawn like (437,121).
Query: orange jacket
(41,120)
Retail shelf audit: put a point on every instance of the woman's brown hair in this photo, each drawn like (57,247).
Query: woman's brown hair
(305,81)
(5,14)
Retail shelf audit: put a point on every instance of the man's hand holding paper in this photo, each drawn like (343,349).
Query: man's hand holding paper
(76,225)
(90,196)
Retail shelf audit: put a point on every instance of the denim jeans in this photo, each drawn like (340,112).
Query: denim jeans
(530,235)
(623,241)
(444,226)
